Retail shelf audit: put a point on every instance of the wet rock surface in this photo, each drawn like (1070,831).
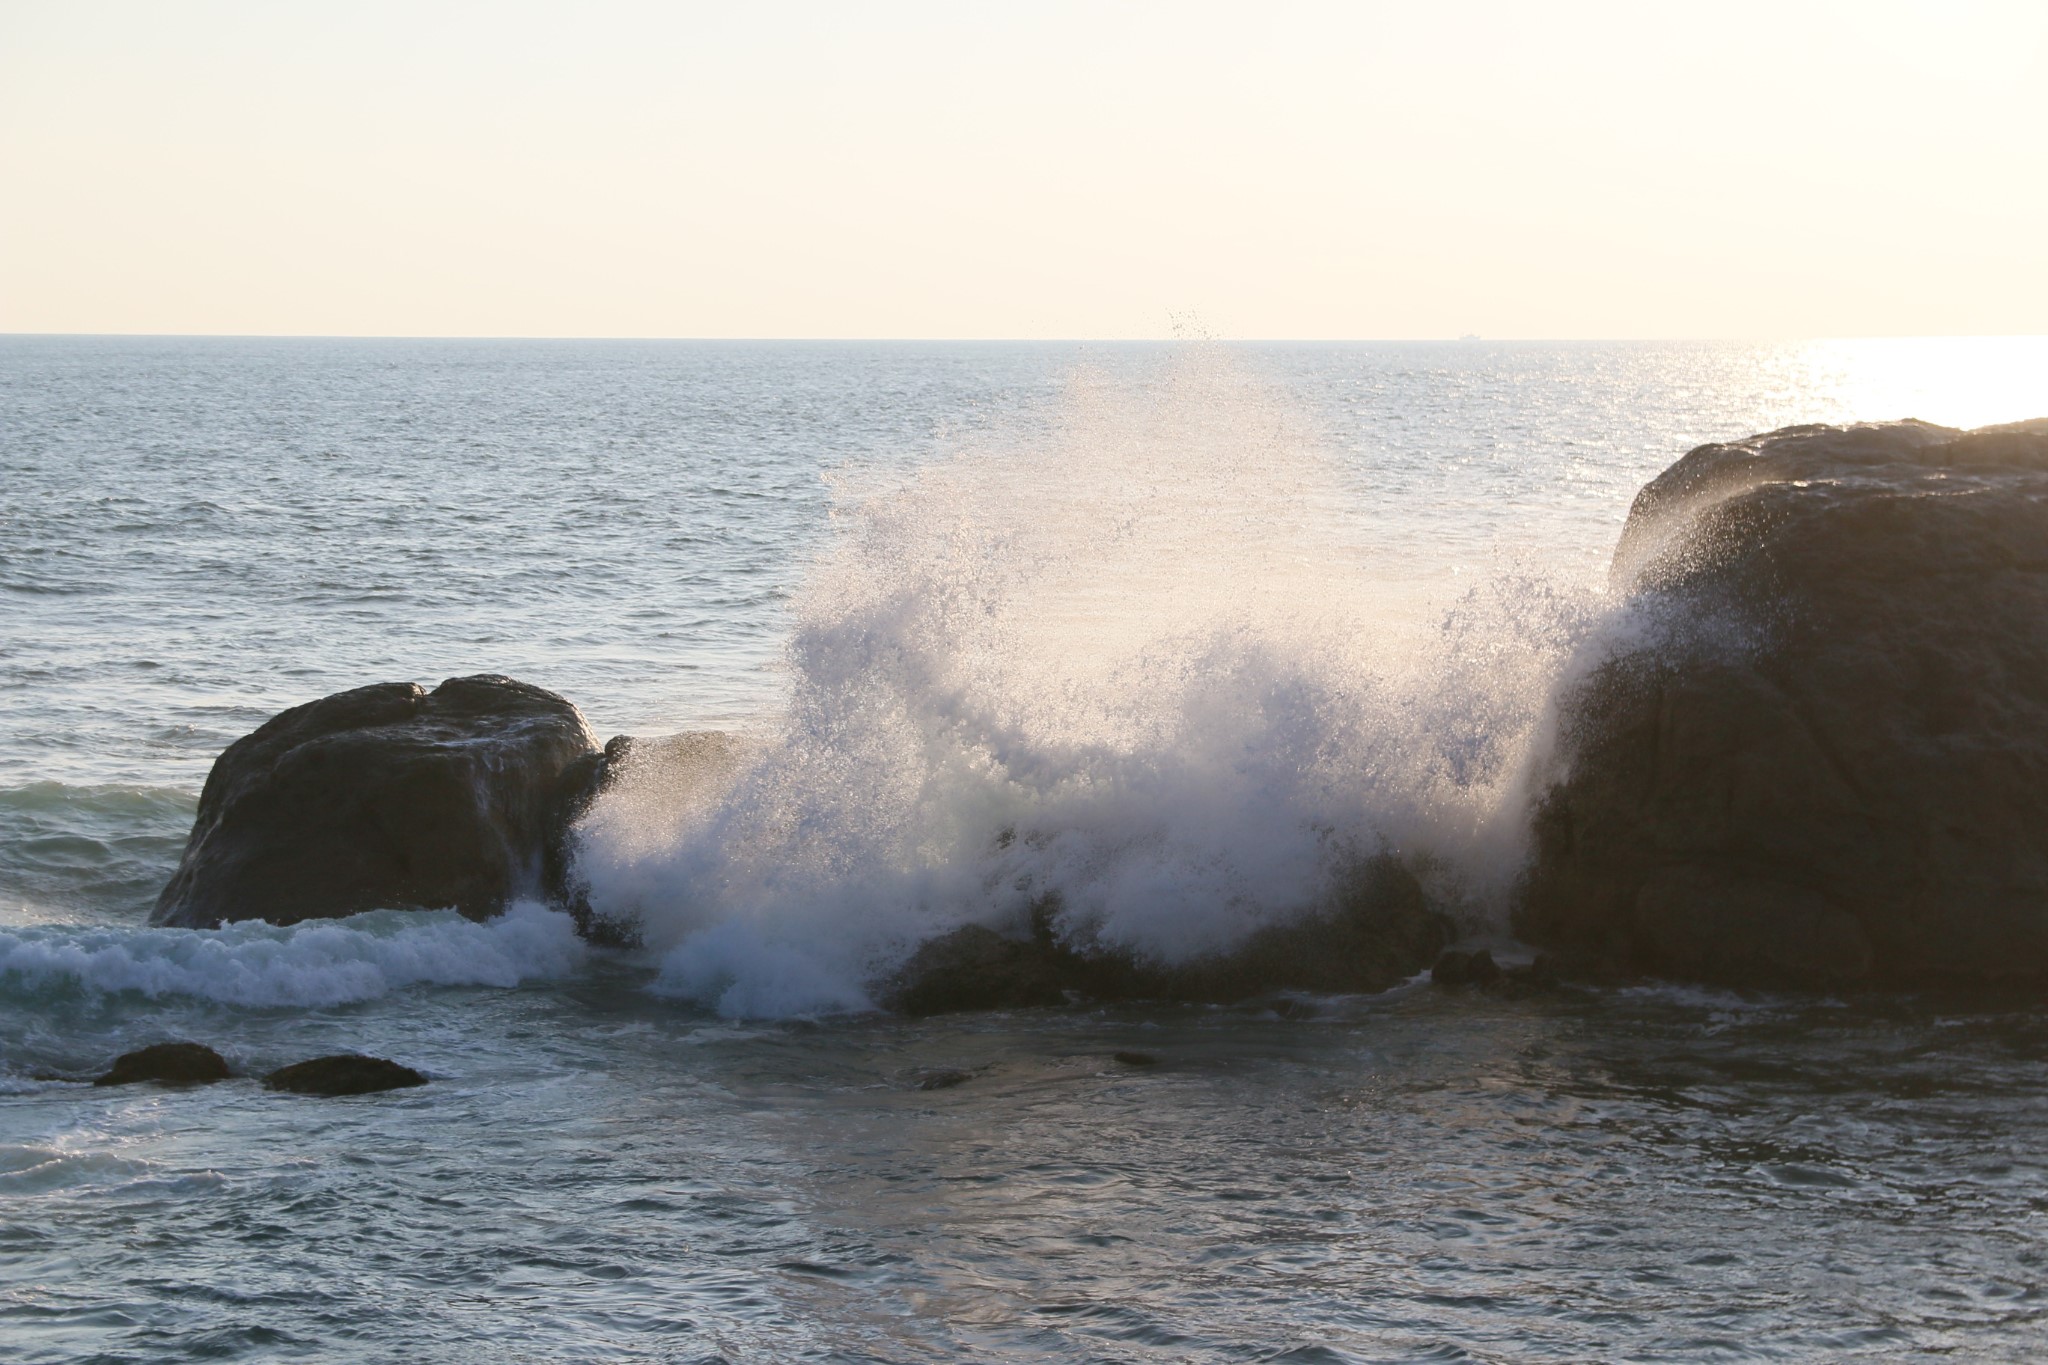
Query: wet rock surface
(168,1064)
(1827,764)
(385,796)
(1457,968)
(343,1074)
(1380,932)
(976,968)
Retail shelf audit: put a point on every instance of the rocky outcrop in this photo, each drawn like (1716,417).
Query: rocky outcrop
(1826,760)
(1380,931)
(167,1064)
(385,796)
(348,1073)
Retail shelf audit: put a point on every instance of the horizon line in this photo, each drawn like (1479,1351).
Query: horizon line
(1017,341)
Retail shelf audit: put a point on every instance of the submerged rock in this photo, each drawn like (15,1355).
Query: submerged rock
(348,1073)
(1831,766)
(385,796)
(943,1080)
(168,1064)
(1380,931)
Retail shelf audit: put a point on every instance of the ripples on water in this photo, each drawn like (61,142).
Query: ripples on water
(194,534)
(592,1175)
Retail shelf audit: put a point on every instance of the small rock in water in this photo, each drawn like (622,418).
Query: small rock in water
(944,1080)
(168,1064)
(1135,1058)
(1455,968)
(346,1074)
(1378,930)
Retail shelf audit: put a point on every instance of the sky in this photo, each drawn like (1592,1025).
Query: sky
(1791,168)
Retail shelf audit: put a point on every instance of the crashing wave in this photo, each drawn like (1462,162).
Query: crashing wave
(1129,667)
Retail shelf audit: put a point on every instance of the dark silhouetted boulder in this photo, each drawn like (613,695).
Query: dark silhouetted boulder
(1825,760)
(1458,968)
(167,1064)
(384,796)
(1380,931)
(345,1074)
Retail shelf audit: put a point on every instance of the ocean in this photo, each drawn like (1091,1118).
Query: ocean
(1206,615)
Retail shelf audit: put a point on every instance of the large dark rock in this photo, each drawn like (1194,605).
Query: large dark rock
(384,796)
(1827,760)
(167,1064)
(347,1073)
(1379,931)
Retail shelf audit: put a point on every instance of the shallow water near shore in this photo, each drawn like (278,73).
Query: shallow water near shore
(708,1150)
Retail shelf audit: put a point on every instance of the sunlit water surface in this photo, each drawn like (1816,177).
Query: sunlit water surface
(194,534)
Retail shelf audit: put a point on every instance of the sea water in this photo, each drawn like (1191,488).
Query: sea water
(1172,630)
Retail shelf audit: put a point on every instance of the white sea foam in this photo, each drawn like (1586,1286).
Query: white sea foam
(1133,661)
(324,962)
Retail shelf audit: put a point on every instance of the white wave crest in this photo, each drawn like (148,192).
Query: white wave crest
(317,963)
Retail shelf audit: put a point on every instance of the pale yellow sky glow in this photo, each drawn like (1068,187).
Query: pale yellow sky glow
(1031,170)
